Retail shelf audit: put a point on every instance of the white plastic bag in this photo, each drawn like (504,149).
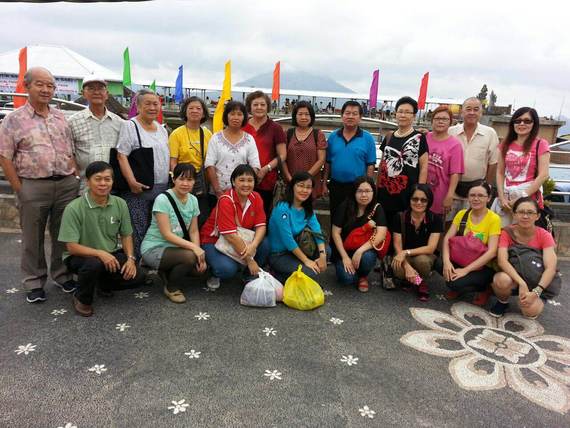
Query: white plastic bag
(263,291)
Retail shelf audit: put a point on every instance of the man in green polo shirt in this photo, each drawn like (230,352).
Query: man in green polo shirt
(90,228)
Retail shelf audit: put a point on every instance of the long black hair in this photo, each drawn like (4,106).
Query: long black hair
(512,135)
(352,203)
(290,194)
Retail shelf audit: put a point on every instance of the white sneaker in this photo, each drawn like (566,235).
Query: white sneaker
(213,283)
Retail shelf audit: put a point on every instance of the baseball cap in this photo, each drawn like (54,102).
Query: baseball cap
(90,78)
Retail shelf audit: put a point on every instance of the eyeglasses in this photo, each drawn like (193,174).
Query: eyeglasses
(523,121)
(441,119)
(419,200)
(478,196)
(303,186)
(404,113)
(526,213)
(363,192)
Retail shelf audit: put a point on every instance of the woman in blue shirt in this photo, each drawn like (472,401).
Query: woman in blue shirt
(288,219)
(175,252)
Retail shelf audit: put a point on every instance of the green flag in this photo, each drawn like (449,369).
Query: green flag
(126,68)
(153,86)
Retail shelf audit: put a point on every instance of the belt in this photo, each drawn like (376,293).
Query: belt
(53,177)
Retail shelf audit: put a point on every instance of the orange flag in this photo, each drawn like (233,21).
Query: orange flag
(276,82)
(423,92)
(20,87)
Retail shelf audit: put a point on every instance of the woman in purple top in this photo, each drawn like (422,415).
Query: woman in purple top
(445,161)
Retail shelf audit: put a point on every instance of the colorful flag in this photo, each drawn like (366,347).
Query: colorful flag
(152,86)
(226,94)
(373,98)
(126,69)
(276,82)
(179,91)
(133,110)
(423,92)
(20,86)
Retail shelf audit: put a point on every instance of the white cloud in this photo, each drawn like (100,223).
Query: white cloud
(518,50)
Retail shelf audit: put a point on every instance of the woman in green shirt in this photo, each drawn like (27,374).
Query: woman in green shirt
(169,246)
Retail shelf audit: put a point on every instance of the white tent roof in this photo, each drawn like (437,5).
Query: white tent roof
(59,60)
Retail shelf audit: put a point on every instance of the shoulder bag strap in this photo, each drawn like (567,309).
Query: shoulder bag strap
(290,133)
(202,146)
(138,133)
(403,227)
(463,223)
(316,136)
(511,233)
(536,154)
(178,215)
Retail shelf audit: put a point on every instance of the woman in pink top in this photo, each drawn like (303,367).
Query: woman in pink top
(445,161)
(509,281)
(523,163)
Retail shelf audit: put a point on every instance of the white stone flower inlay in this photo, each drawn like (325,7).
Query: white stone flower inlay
(98,368)
(11,291)
(58,311)
(192,354)
(25,349)
(490,353)
(349,360)
(178,406)
(269,331)
(336,321)
(122,326)
(273,374)
(202,316)
(141,295)
(367,412)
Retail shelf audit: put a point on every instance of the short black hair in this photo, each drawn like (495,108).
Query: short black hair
(407,100)
(426,189)
(255,95)
(528,199)
(243,169)
(302,104)
(231,106)
(97,167)
(184,170)
(186,103)
(351,103)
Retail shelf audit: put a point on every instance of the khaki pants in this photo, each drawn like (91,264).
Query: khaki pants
(423,264)
(40,202)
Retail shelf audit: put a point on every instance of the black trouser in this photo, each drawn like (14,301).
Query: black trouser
(267,196)
(474,281)
(338,192)
(91,272)
(206,202)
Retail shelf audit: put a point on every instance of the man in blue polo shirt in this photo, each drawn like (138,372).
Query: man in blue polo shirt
(351,153)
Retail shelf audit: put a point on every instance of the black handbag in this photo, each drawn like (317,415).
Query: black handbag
(141,161)
(307,242)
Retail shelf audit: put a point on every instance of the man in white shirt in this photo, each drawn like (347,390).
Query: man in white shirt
(480,151)
(95,130)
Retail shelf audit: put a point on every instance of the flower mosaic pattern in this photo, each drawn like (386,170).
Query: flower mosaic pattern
(349,360)
(273,374)
(25,349)
(336,321)
(202,316)
(178,406)
(58,311)
(122,326)
(269,331)
(192,354)
(11,291)
(367,412)
(141,295)
(98,369)
(489,353)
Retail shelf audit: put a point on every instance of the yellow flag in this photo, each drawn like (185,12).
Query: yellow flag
(218,125)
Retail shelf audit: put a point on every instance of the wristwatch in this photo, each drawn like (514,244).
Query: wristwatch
(408,253)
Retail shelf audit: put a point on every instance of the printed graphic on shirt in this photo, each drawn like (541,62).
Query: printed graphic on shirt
(435,168)
(518,165)
(393,164)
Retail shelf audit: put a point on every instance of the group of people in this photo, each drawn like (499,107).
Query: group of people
(214,210)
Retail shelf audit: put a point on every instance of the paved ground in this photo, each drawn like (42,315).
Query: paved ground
(380,359)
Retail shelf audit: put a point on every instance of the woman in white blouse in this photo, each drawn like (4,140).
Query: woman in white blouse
(230,148)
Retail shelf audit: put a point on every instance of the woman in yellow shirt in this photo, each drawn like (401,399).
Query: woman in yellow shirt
(189,144)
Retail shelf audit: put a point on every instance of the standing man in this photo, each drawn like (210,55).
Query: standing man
(351,153)
(36,154)
(480,152)
(95,130)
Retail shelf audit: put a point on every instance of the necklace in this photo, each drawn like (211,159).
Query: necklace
(397,132)
(303,136)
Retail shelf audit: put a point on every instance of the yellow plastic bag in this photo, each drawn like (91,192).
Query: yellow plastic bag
(301,292)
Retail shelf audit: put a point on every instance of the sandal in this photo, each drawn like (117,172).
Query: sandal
(423,292)
(363,285)
(175,296)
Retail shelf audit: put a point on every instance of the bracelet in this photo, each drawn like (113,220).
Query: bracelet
(268,167)
(408,253)
(537,290)
(133,258)
(322,252)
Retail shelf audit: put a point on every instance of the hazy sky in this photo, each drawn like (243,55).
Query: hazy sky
(520,50)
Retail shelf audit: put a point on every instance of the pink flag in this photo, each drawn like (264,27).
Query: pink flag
(133,110)
(373,98)
(423,92)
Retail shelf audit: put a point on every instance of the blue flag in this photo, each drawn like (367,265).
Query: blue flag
(179,92)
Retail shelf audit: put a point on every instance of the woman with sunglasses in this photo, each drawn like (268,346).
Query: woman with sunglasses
(509,281)
(416,235)
(480,223)
(523,163)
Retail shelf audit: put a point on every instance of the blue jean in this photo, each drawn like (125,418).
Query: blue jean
(367,263)
(225,267)
(285,263)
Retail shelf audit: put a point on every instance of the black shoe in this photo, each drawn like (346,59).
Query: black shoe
(106,294)
(37,295)
(499,309)
(68,286)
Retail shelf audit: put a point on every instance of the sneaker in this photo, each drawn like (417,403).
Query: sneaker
(68,286)
(213,283)
(37,295)
(363,285)
(175,296)
(498,309)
